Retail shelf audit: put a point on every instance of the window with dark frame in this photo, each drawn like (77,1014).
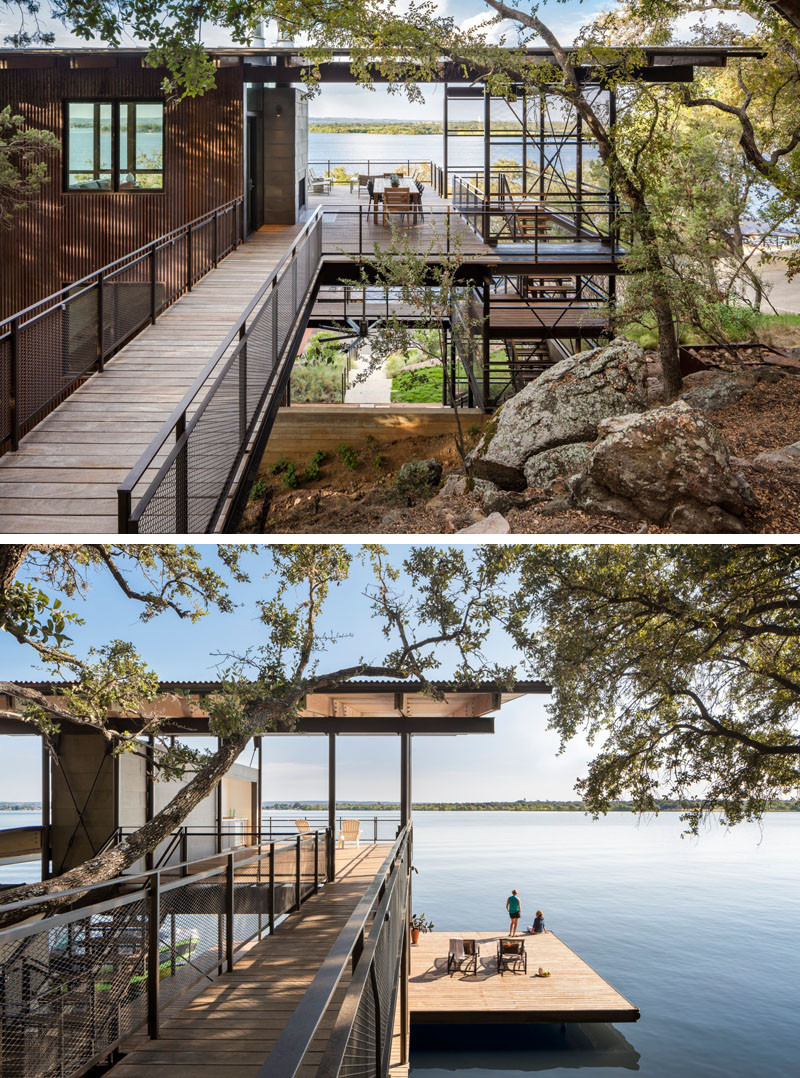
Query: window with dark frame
(114,146)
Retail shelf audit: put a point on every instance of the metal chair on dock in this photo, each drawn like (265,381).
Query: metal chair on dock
(511,955)
(463,954)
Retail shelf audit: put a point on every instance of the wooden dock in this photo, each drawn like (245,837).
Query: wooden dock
(573,992)
(229,1026)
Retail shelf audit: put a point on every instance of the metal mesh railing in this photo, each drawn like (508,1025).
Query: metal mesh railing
(75,985)
(372,950)
(199,449)
(50,348)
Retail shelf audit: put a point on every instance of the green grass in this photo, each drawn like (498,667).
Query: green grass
(418,387)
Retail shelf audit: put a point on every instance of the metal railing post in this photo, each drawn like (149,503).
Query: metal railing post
(184,851)
(152,260)
(13,385)
(271,883)
(123,511)
(297,874)
(243,383)
(229,892)
(216,237)
(100,320)
(374,828)
(189,258)
(153,955)
(360,229)
(316,862)
(181,479)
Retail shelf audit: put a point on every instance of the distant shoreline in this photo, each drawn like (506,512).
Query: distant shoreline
(489,806)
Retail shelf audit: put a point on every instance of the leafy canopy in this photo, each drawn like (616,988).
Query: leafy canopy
(681,662)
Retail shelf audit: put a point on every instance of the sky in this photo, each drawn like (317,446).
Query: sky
(519,761)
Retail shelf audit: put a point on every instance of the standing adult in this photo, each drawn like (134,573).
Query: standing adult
(512,905)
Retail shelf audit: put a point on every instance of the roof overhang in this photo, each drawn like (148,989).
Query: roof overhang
(790,9)
(287,66)
(355,708)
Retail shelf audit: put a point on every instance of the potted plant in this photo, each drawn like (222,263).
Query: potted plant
(394,180)
(419,923)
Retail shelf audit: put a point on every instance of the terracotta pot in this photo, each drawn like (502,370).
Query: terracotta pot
(415,935)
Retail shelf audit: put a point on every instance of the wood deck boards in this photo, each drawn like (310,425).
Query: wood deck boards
(65,474)
(573,993)
(228,1028)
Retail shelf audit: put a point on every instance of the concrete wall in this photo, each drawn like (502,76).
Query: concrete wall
(283,151)
(302,429)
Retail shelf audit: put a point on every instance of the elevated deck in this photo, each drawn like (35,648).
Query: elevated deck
(573,992)
(65,475)
(228,1028)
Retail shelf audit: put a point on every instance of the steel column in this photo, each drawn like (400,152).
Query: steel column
(153,944)
(45,811)
(331,866)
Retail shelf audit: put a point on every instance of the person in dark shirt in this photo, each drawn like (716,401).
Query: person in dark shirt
(538,923)
(512,905)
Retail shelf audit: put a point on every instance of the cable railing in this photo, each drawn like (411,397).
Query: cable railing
(49,349)
(198,452)
(75,985)
(371,949)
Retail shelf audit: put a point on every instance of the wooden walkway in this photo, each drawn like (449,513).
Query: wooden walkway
(572,993)
(65,475)
(228,1028)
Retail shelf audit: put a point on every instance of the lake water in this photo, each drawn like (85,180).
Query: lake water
(465,151)
(700,934)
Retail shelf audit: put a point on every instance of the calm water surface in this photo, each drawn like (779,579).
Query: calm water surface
(700,934)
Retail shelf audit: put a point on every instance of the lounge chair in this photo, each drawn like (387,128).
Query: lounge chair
(303,827)
(511,955)
(318,185)
(463,954)
(350,832)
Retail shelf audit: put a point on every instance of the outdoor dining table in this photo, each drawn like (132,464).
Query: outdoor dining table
(405,184)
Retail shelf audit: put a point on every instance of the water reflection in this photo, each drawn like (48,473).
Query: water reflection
(522,1049)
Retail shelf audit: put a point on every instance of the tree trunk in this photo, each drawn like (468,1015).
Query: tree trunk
(105,866)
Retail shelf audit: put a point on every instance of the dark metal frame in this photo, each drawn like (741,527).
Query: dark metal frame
(467,964)
(512,961)
(115,103)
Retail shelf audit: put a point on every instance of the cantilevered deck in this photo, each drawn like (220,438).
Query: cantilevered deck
(229,1027)
(573,992)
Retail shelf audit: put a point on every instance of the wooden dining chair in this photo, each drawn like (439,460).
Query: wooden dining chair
(396,201)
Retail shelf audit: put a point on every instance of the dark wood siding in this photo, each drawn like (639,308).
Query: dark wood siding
(63,236)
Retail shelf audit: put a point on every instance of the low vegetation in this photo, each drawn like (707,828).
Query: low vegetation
(317,373)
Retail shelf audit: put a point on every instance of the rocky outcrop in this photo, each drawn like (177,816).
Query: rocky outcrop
(562,407)
(542,468)
(788,454)
(669,465)
(494,524)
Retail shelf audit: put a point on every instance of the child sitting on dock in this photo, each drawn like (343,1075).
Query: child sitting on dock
(538,924)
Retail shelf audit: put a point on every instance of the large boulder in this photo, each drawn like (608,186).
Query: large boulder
(669,465)
(542,468)
(561,407)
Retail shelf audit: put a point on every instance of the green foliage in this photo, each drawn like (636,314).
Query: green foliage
(422,386)
(317,373)
(312,469)
(348,456)
(684,674)
(279,467)
(24,159)
(290,476)
(258,489)
(420,922)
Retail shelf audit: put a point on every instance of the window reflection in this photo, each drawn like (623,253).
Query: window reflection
(141,145)
(89,145)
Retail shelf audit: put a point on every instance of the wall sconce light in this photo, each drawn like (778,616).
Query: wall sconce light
(279,111)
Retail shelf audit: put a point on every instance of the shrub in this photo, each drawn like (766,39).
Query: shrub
(312,470)
(347,455)
(258,489)
(418,387)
